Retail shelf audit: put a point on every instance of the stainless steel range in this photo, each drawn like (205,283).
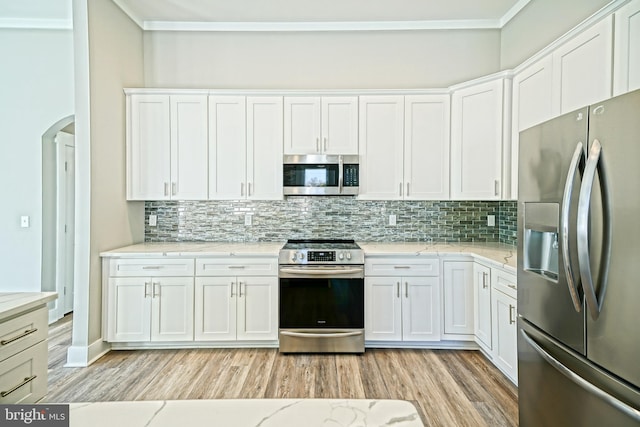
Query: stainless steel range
(321,297)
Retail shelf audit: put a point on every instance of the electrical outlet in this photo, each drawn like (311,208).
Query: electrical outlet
(392,220)
(248,219)
(24,221)
(153,220)
(491,220)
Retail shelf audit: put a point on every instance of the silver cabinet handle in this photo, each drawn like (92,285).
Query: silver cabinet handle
(174,188)
(340,173)
(152,267)
(240,289)
(511,316)
(484,280)
(242,188)
(232,286)
(594,163)
(26,381)
(318,145)
(407,193)
(402,267)
(166,188)
(398,289)
(577,162)
(325,143)
(496,185)
(579,381)
(156,292)
(400,192)
(17,337)
(248,189)
(406,289)
(146,289)
(236,266)
(317,335)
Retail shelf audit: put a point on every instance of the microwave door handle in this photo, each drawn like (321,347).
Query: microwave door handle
(340,174)
(594,164)
(572,283)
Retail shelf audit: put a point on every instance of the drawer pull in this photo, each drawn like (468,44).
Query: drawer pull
(25,382)
(512,286)
(402,267)
(152,267)
(22,335)
(236,266)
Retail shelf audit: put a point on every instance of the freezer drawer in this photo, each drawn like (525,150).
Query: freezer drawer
(557,387)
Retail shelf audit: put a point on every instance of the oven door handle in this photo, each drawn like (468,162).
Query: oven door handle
(321,271)
(316,335)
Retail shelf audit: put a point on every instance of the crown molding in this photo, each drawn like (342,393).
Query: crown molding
(36,24)
(511,13)
(135,18)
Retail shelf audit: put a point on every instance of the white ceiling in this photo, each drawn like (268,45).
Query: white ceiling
(182,14)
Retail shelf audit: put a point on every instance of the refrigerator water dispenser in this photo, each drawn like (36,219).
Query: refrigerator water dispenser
(541,239)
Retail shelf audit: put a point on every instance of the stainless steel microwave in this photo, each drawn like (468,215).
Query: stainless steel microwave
(315,175)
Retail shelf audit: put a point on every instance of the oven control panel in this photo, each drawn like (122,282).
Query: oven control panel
(321,256)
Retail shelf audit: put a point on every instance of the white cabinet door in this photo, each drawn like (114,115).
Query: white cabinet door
(505,349)
(264,148)
(148,147)
(482,304)
(227,147)
(189,166)
(531,104)
(257,308)
(582,68)
(458,297)
(215,309)
(339,123)
(426,147)
(172,309)
(420,309)
(129,309)
(383,309)
(476,142)
(381,147)
(302,125)
(626,55)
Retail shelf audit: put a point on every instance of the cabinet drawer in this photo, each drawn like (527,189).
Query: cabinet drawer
(236,267)
(414,266)
(146,267)
(505,282)
(23,376)
(22,332)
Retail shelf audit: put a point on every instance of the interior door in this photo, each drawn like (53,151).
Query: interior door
(544,298)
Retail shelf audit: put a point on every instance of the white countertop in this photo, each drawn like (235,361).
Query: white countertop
(12,303)
(246,412)
(498,254)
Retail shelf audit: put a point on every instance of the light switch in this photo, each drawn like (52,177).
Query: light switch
(491,220)
(24,221)
(392,220)
(248,219)
(153,220)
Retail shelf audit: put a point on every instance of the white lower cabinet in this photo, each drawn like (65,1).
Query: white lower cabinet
(458,297)
(404,303)
(236,308)
(482,304)
(505,328)
(402,309)
(150,309)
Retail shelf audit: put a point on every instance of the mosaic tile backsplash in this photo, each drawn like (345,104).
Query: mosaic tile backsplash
(331,218)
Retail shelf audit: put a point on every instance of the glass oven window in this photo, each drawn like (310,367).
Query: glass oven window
(321,303)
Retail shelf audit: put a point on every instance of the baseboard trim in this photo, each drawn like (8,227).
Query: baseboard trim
(83,356)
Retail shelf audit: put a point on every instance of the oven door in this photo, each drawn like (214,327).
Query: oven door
(322,309)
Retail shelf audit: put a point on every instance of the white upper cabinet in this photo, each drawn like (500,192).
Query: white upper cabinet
(476,141)
(381,147)
(582,68)
(227,147)
(166,147)
(321,125)
(245,147)
(531,104)
(264,147)
(626,57)
(426,147)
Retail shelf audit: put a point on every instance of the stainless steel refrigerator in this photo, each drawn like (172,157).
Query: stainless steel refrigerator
(579,268)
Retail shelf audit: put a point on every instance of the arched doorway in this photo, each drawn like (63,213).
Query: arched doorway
(58,214)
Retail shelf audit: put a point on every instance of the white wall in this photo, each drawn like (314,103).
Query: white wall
(109,57)
(36,91)
(540,23)
(299,60)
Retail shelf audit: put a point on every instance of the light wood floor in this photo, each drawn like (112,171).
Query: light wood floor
(449,388)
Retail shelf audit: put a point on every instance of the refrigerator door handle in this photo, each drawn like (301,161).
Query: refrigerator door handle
(572,283)
(578,380)
(594,163)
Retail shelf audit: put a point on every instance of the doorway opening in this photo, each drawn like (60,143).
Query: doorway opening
(58,216)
